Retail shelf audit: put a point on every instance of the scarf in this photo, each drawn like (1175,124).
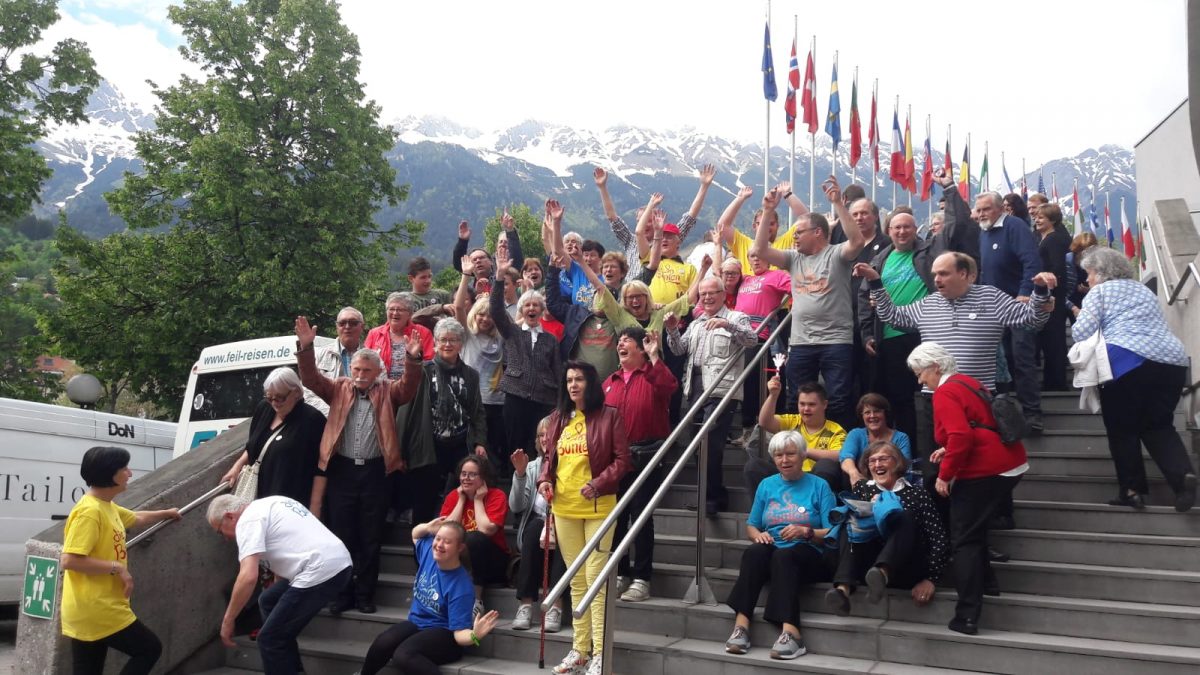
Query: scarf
(447,389)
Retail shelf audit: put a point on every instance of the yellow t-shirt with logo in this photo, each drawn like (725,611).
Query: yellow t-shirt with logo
(573,472)
(829,437)
(739,248)
(94,606)
(671,281)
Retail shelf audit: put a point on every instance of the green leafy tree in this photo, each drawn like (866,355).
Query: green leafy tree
(27,291)
(266,173)
(528,225)
(36,90)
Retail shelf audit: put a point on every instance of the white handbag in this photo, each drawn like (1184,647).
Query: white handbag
(247,481)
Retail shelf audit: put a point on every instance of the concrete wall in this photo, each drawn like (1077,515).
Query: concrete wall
(1165,165)
(182,574)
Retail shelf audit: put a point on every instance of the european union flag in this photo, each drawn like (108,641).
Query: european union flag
(833,121)
(768,68)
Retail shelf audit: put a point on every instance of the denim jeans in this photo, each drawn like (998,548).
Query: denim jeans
(835,364)
(286,611)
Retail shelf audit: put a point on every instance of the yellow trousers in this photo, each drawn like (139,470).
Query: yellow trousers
(572,534)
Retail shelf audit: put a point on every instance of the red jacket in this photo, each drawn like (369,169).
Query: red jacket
(379,340)
(608,450)
(643,401)
(970,453)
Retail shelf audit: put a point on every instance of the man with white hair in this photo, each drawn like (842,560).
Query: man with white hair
(714,338)
(359,448)
(334,360)
(312,566)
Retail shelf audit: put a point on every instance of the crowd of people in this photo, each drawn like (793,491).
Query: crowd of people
(536,393)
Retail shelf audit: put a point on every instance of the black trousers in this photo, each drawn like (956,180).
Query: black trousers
(1052,339)
(529,574)
(489,562)
(358,498)
(412,650)
(420,490)
(751,401)
(449,452)
(1019,347)
(639,563)
(757,469)
(973,503)
(521,417)
(787,569)
(1139,407)
(717,496)
(900,551)
(136,640)
(896,382)
(497,439)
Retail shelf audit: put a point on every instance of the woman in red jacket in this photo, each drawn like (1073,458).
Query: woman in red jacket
(977,472)
(586,458)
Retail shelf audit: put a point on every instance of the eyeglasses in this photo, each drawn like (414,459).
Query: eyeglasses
(468,475)
(271,398)
(348,323)
(398,310)
(797,233)
(449,341)
(881,459)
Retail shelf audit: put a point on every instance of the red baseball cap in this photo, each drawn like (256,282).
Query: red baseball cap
(670,228)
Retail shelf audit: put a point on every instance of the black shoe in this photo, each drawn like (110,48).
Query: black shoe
(1185,499)
(365,606)
(340,605)
(1002,523)
(711,510)
(991,591)
(837,601)
(1134,501)
(964,626)
(1033,425)
(997,556)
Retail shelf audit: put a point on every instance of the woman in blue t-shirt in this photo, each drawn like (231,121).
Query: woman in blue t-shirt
(787,527)
(439,622)
(874,411)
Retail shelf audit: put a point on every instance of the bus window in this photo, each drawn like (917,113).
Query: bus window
(229,394)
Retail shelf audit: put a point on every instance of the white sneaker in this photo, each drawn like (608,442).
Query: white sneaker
(553,620)
(622,585)
(524,618)
(595,667)
(573,663)
(638,591)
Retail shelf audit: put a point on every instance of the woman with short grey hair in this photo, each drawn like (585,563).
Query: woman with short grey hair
(284,443)
(397,326)
(932,355)
(1149,371)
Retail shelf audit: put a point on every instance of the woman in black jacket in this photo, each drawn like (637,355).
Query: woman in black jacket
(1054,244)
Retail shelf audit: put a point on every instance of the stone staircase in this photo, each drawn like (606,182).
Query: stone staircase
(1090,589)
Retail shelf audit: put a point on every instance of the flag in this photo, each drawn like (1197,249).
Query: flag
(910,169)
(789,103)
(983,170)
(964,174)
(1093,222)
(833,121)
(855,125)
(1041,184)
(1108,231)
(1079,227)
(949,162)
(1024,189)
(897,169)
(1126,234)
(809,100)
(770,91)
(873,135)
(1054,188)
(927,177)
(1007,181)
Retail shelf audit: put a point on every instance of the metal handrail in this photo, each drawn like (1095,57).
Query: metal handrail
(660,493)
(190,506)
(1191,272)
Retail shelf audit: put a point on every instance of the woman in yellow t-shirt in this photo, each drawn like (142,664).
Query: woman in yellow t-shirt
(587,456)
(97,584)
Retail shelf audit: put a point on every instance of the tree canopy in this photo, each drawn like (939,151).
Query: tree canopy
(265,174)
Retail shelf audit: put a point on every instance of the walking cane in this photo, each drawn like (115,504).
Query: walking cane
(545,583)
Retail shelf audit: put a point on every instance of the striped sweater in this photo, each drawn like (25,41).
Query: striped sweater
(969,327)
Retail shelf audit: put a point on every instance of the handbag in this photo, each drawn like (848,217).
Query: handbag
(547,538)
(247,482)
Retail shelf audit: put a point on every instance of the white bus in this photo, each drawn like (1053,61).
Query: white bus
(226,383)
(41,446)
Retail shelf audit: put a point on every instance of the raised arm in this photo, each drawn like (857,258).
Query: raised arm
(460,246)
(908,316)
(766,414)
(610,212)
(795,204)
(706,178)
(496,309)
(693,293)
(726,222)
(855,241)
(644,223)
(306,361)
(762,246)
(462,296)
(515,252)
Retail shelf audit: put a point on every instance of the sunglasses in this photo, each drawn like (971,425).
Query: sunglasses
(348,323)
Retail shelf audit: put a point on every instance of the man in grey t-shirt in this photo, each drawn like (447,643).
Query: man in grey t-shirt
(822,309)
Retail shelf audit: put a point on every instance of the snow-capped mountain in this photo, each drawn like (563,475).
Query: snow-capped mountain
(456,172)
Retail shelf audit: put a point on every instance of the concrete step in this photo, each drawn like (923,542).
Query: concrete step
(1081,464)
(1089,441)
(1132,550)
(682,496)
(1100,582)
(1101,518)
(1084,489)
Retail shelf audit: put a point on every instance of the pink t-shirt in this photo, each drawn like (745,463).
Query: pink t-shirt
(761,294)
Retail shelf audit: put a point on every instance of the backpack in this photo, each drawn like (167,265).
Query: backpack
(1010,418)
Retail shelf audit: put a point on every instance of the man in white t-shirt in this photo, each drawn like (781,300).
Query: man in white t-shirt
(310,564)
(822,339)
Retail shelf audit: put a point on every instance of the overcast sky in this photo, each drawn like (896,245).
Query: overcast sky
(1035,79)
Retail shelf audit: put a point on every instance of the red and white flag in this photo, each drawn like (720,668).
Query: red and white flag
(809,98)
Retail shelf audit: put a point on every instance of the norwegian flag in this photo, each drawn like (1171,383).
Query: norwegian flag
(809,100)
(789,103)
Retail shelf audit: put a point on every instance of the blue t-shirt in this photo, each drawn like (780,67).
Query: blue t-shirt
(575,285)
(857,441)
(441,598)
(779,503)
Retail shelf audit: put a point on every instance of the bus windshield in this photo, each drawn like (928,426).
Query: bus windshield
(229,394)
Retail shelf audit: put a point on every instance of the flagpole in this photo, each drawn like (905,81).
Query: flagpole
(929,137)
(812,137)
(907,142)
(854,167)
(1024,182)
(1107,222)
(987,187)
(1053,187)
(968,167)
(767,146)
(792,156)
(896,120)
(875,150)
